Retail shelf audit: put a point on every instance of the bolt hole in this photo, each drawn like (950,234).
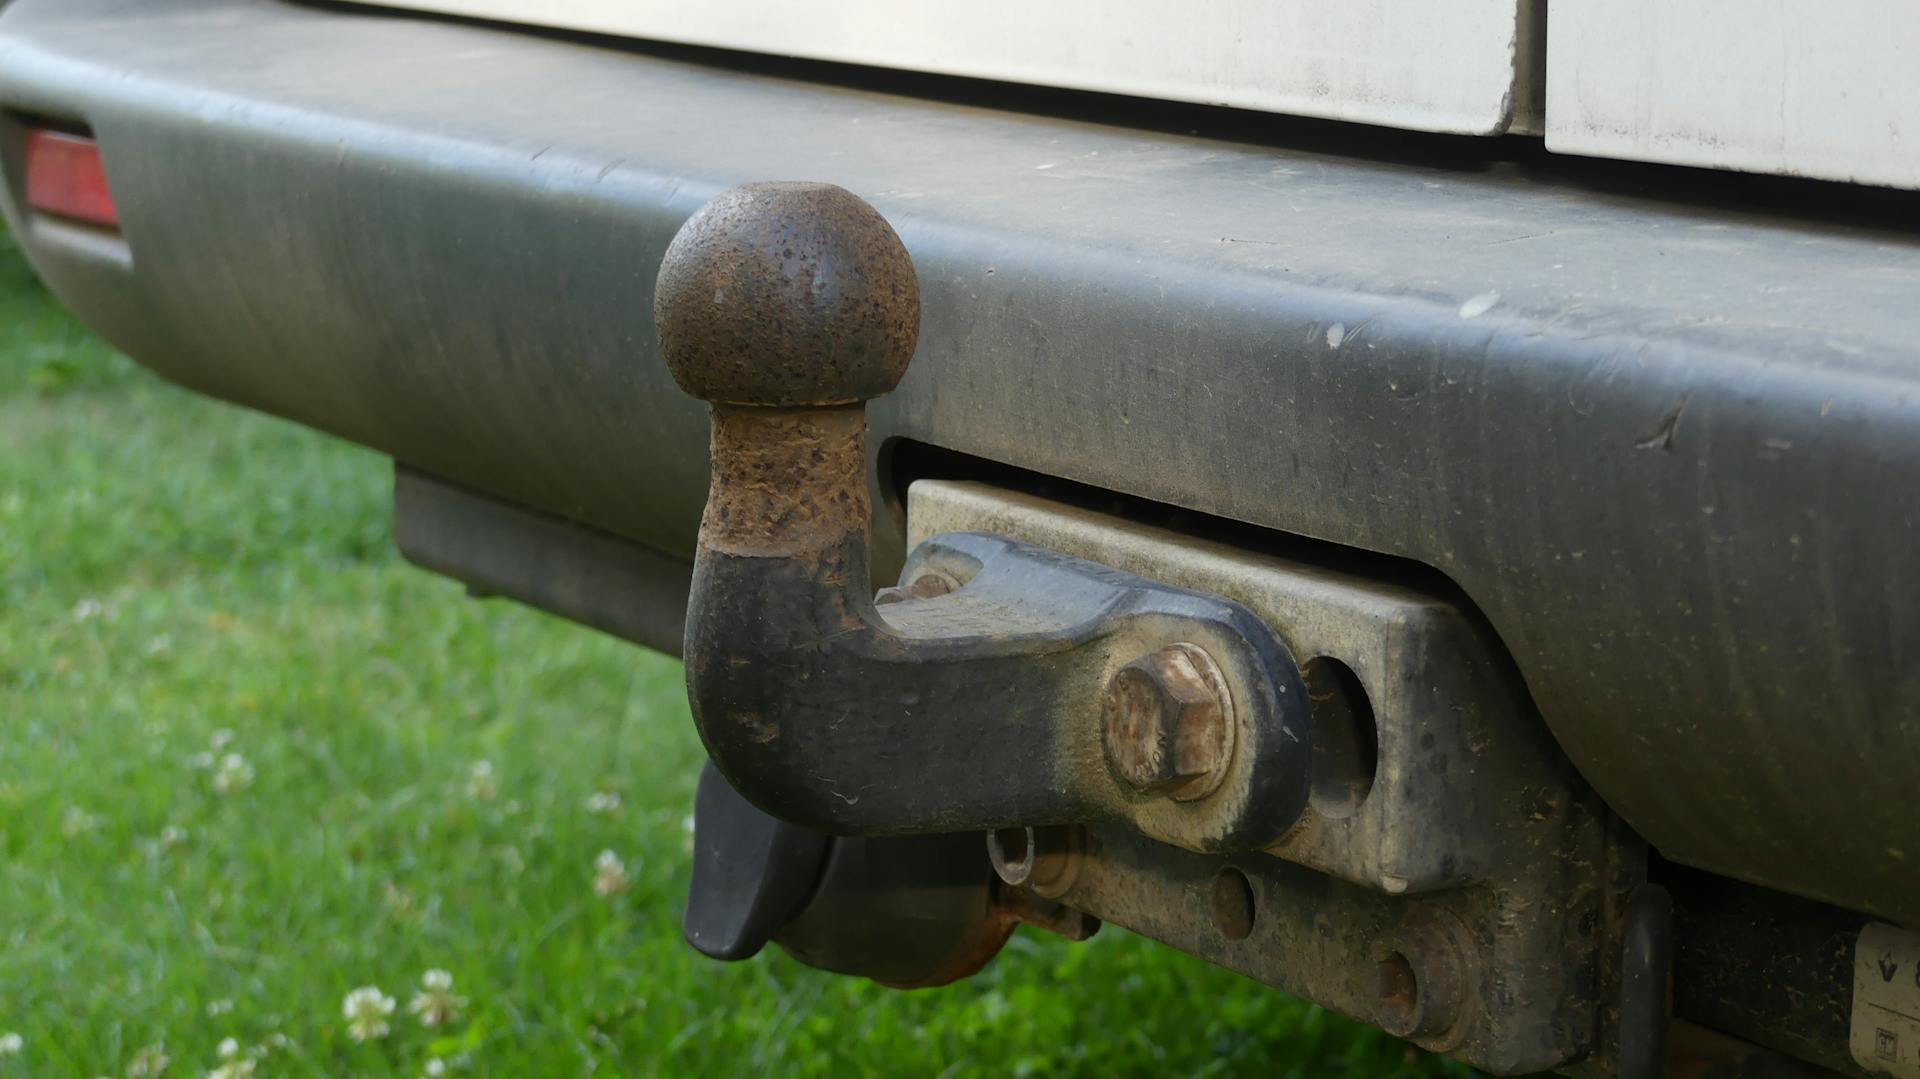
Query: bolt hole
(1346,739)
(1399,994)
(1233,904)
(1011,851)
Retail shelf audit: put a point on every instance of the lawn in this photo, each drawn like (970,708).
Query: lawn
(252,762)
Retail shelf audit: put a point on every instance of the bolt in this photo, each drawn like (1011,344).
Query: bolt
(926,586)
(1043,860)
(1169,723)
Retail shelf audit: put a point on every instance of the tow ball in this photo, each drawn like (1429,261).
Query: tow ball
(997,686)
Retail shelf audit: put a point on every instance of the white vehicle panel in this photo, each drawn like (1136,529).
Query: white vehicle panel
(1460,66)
(1821,88)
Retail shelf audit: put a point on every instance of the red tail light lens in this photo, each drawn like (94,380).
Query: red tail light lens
(65,177)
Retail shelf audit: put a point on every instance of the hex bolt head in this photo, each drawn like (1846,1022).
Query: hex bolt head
(1169,723)
(929,585)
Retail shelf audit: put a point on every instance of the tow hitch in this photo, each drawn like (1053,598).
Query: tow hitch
(1330,783)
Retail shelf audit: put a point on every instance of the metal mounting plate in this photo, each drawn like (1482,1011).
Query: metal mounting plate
(1451,724)
(1471,819)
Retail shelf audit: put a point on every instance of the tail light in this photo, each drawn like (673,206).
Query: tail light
(65,177)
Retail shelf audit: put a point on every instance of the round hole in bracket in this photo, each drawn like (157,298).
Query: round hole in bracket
(1346,738)
(1233,904)
(1399,992)
(1011,851)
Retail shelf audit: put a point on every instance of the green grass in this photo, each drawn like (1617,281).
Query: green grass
(180,578)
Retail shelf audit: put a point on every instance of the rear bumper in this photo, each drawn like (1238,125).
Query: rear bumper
(1673,453)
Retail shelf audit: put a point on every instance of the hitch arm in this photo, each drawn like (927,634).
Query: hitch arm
(1002,685)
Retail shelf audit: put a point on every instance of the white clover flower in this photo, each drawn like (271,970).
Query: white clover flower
(233,1065)
(148,1061)
(435,1068)
(233,775)
(223,1006)
(87,608)
(221,739)
(10,1043)
(397,899)
(510,859)
(435,1005)
(603,802)
(76,821)
(609,874)
(366,1010)
(480,785)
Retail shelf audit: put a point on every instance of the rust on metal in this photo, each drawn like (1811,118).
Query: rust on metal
(1058,919)
(785,295)
(1233,903)
(788,482)
(1425,970)
(1169,723)
(970,954)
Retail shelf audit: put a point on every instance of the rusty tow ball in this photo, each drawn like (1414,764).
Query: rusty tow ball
(1001,685)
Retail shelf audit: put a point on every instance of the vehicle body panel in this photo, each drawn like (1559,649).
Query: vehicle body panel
(1826,88)
(1800,88)
(1461,66)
